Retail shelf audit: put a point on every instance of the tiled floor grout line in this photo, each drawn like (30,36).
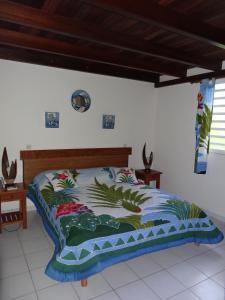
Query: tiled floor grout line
(105,293)
(151,289)
(194,293)
(14,274)
(115,291)
(120,285)
(202,282)
(166,269)
(29,271)
(139,278)
(182,282)
(24,295)
(75,291)
(35,250)
(211,277)
(171,297)
(208,276)
(143,276)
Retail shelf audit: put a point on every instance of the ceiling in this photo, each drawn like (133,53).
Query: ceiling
(141,39)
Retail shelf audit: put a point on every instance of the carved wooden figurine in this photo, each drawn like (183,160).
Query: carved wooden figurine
(147,161)
(8,171)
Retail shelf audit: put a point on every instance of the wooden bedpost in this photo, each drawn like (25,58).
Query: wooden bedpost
(84,282)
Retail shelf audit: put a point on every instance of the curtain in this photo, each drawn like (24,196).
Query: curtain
(203,124)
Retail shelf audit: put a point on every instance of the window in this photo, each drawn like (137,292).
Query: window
(217,134)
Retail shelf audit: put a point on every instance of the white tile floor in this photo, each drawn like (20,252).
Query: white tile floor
(182,273)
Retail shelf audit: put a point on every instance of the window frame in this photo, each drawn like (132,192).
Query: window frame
(218,151)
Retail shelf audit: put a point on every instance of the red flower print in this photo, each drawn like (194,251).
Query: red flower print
(127,172)
(200,101)
(71,207)
(62,176)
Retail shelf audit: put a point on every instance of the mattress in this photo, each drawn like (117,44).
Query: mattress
(96,222)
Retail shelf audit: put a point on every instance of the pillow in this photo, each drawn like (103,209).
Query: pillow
(87,176)
(62,179)
(125,175)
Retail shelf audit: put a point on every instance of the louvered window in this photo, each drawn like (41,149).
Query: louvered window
(217,134)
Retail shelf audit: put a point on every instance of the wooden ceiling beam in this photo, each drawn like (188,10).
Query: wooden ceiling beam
(50,6)
(34,57)
(191,79)
(34,18)
(152,13)
(28,41)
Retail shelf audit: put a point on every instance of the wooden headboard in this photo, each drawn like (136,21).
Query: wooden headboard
(36,161)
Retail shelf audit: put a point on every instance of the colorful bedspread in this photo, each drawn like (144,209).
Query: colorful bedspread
(96,222)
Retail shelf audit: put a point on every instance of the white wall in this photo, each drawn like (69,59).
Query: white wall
(27,91)
(174,151)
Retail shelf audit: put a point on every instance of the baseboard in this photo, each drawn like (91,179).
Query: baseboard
(215,216)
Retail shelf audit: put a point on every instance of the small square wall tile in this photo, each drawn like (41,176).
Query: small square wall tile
(136,290)
(209,290)
(16,286)
(119,275)
(97,286)
(164,284)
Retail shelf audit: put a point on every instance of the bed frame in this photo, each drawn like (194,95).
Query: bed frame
(36,161)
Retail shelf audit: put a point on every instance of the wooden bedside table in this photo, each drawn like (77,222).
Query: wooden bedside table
(16,216)
(152,175)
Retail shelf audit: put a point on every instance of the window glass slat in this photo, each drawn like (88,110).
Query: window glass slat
(217,134)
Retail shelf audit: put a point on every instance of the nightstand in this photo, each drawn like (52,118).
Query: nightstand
(16,216)
(151,175)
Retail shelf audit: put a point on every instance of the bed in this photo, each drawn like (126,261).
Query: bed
(98,214)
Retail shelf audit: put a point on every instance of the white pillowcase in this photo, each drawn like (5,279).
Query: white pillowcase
(126,175)
(61,179)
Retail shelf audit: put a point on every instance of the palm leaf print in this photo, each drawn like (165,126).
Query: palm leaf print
(74,174)
(135,220)
(183,210)
(205,120)
(53,198)
(116,197)
(126,179)
(65,184)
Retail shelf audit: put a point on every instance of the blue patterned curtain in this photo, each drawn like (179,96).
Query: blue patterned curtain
(203,124)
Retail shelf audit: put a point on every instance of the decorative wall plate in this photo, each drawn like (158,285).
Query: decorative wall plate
(80,100)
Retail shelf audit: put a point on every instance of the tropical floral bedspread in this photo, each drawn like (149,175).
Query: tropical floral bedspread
(96,222)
